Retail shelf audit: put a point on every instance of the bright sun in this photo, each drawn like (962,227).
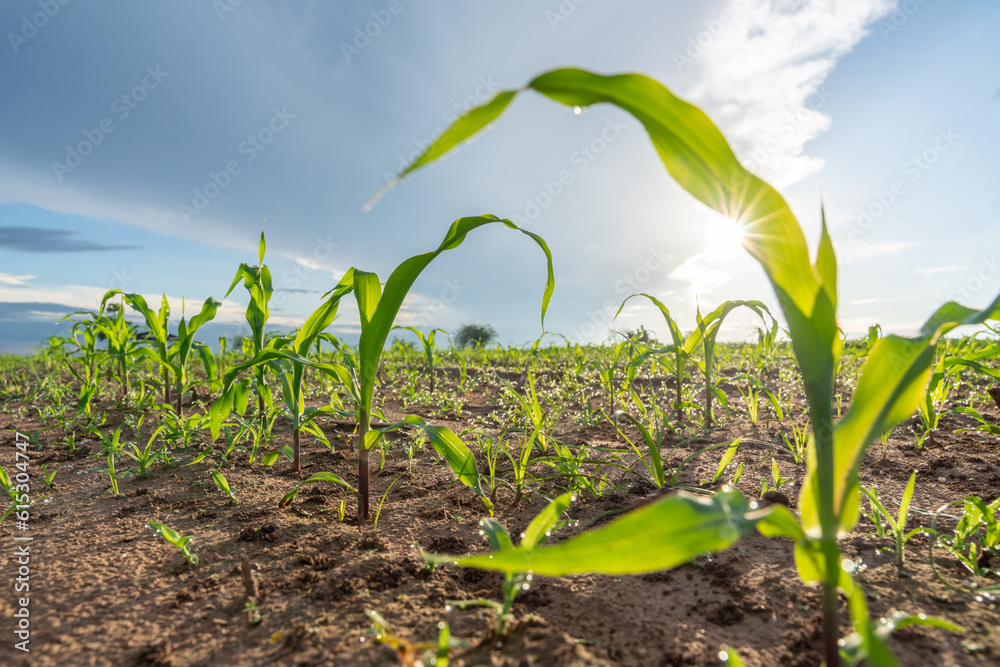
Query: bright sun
(723,240)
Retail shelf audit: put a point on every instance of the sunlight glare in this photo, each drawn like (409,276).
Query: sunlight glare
(723,240)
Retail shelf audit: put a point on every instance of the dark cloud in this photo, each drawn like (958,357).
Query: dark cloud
(32,239)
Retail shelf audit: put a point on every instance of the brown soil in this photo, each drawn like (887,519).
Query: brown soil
(105,590)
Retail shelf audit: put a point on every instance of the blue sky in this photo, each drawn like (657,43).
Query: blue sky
(142,145)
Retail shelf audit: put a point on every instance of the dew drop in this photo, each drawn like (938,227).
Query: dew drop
(577,110)
(440,625)
(724,656)
(448,607)
(848,565)
(525,586)
(362,640)
(753,504)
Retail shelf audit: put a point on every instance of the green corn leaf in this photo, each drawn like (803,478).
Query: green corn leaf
(538,529)
(378,309)
(727,458)
(323,316)
(904,503)
(452,449)
(318,477)
(465,127)
(892,383)
(218,411)
(660,535)
(496,533)
(653,446)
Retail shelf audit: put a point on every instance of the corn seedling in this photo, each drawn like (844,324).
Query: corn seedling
(652,442)
(378,309)
(223,484)
(434,653)
(868,641)
(159,335)
(799,444)
(430,349)
(975,538)
(894,527)
(777,481)
(257,281)
(288,358)
(706,334)
(176,539)
(15,495)
(145,457)
(726,460)
(111,446)
(49,476)
(514,581)
(891,384)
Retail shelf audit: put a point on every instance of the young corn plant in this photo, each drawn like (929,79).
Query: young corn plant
(257,281)
(158,336)
(513,582)
(288,358)
(430,349)
(176,539)
(676,528)
(894,527)
(678,351)
(223,484)
(706,334)
(378,308)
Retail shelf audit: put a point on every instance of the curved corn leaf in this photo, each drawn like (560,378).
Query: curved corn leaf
(318,477)
(658,536)
(452,449)
(378,308)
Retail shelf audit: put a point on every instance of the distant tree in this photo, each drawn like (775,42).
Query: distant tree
(475,335)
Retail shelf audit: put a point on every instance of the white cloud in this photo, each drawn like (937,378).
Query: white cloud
(761,77)
(15,280)
(701,274)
